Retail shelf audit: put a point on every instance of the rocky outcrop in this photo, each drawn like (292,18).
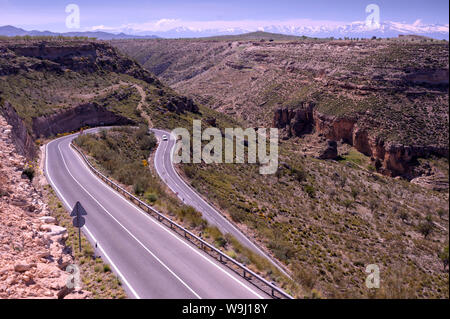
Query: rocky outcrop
(400,159)
(73,119)
(21,138)
(334,127)
(181,104)
(328,150)
(389,158)
(438,77)
(434,182)
(294,122)
(33,255)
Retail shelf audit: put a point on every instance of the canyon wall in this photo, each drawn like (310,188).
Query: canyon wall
(389,158)
(80,56)
(63,121)
(90,114)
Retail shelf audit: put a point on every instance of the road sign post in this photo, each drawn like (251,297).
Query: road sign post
(78,220)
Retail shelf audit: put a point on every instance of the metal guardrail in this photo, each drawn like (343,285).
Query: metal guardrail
(226,260)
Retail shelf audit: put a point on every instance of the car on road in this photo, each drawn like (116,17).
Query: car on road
(165,138)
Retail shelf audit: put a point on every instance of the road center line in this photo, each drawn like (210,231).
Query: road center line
(134,237)
(168,231)
(68,207)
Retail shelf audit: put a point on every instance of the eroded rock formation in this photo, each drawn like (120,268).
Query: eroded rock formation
(390,158)
(73,119)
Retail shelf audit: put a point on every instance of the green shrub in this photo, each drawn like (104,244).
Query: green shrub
(3,192)
(140,185)
(213,231)
(237,215)
(189,214)
(189,171)
(443,256)
(220,241)
(426,228)
(29,172)
(299,173)
(440,212)
(309,189)
(151,197)
(282,250)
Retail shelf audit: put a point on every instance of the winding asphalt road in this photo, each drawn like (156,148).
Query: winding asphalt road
(164,166)
(150,260)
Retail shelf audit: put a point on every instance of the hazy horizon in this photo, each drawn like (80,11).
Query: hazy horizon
(216,18)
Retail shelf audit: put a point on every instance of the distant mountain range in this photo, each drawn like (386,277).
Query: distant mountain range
(356,29)
(11,31)
(351,30)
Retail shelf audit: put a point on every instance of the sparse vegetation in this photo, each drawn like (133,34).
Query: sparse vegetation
(119,153)
(331,235)
(443,255)
(28,171)
(324,220)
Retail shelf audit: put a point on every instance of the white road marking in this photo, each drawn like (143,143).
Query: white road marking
(213,209)
(134,237)
(115,268)
(167,230)
(180,190)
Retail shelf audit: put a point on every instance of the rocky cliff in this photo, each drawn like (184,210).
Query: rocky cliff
(77,56)
(75,118)
(32,246)
(390,158)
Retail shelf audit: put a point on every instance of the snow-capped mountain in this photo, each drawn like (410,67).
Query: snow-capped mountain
(185,29)
(357,29)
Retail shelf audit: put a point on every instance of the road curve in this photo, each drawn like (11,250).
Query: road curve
(151,261)
(164,167)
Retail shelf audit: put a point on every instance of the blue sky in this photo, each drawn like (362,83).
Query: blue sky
(50,15)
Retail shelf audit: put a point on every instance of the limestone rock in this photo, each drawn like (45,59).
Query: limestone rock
(23,267)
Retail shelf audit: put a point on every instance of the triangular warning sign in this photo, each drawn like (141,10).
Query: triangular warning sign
(78,210)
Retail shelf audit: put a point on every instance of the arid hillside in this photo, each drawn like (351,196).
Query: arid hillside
(387,98)
(347,111)
(50,87)
(55,86)
(327,213)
